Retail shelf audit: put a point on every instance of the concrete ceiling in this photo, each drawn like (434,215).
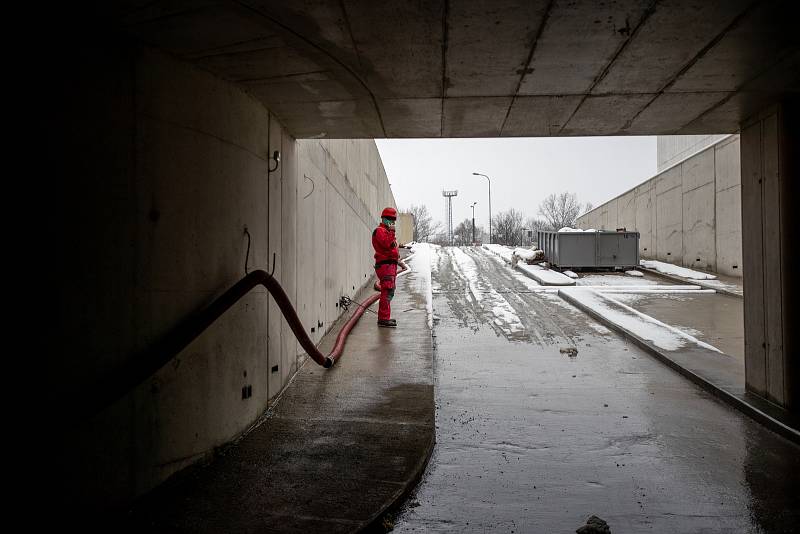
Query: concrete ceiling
(449,68)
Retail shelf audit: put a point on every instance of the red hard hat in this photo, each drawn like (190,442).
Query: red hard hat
(391,213)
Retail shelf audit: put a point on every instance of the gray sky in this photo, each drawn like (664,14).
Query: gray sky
(523,171)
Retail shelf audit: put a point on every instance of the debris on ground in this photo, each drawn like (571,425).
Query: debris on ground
(594,525)
(388,523)
(527,255)
(569,351)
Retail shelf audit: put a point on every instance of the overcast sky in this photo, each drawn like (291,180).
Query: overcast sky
(523,171)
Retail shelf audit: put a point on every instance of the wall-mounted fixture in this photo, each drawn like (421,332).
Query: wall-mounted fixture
(276,157)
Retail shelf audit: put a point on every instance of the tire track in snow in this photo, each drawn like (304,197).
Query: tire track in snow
(485,296)
(543,314)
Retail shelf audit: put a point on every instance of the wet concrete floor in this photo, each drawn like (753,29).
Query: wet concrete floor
(337,450)
(533,439)
(714,318)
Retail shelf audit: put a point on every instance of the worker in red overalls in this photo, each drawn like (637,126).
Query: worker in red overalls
(386,256)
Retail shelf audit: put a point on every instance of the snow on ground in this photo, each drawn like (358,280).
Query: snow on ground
(683,272)
(570,274)
(501,250)
(645,327)
(594,292)
(504,315)
(613,280)
(634,273)
(425,254)
(545,276)
(719,284)
(650,291)
(532,285)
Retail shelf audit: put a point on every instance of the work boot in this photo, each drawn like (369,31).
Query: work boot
(387,323)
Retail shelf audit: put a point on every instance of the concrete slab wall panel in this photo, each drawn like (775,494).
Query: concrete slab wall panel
(728,207)
(689,214)
(175,198)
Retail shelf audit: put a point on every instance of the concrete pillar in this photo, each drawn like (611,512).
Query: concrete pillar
(769,161)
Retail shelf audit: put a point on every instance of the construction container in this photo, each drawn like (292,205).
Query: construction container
(591,250)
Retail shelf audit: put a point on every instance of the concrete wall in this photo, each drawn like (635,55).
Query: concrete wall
(405,228)
(770,194)
(163,169)
(689,214)
(672,149)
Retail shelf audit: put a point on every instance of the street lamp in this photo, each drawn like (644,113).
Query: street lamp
(490,202)
(473,221)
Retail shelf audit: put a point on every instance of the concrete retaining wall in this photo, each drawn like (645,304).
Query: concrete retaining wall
(672,149)
(689,215)
(405,228)
(163,168)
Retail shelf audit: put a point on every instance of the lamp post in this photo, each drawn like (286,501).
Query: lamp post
(490,202)
(473,221)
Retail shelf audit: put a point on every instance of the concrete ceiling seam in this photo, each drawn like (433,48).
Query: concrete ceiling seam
(445,80)
(702,52)
(350,33)
(526,68)
(631,34)
(281,76)
(311,43)
(787,55)
(237,46)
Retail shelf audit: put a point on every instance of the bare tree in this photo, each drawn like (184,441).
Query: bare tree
(560,210)
(533,225)
(424,226)
(439,238)
(507,227)
(462,234)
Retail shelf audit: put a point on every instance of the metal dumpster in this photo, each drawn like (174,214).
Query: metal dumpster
(591,250)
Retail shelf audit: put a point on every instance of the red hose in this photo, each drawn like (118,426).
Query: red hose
(90,401)
(297,327)
(351,322)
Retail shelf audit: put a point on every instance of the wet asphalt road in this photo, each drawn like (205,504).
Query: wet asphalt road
(532,439)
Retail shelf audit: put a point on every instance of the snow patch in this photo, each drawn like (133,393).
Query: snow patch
(614,280)
(500,250)
(645,327)
(634,273)
(545,276)
(421,263)
(683,272)
(719,284)
(570,274)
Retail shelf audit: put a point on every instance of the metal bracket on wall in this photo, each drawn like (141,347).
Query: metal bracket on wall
(247,255)
(313,185)
(276,157)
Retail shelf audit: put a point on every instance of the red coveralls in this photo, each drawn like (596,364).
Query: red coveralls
(386,256)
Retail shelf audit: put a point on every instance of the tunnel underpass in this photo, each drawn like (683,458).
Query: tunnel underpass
(196,141)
